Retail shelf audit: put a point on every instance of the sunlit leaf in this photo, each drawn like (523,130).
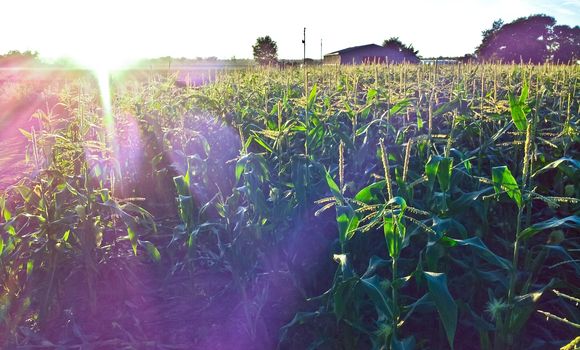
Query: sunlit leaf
(372,194)
(503,180)
(334,188)
(517,112)
(399,106)
(152,250)
(132,238)
(312,97)
(431,169)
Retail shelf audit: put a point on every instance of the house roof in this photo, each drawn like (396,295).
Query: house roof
(374,50)
(348,49)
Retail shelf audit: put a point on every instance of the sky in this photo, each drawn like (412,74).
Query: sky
(115,32)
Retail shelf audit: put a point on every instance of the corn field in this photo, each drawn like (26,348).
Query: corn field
(370,207)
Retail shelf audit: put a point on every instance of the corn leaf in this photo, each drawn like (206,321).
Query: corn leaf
(312,97)
(372,287)
(132,238)
(152,250)
(431,169)
(570,165)
(440,168)
(334,188)
(181,185)
(372,194)
(444,173)
(517,112)
(572,221)
(403,344)
(446,307)
(503,180)
(343,293)
(480,248)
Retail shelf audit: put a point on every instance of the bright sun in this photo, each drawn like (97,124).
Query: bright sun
(102,63)
(102,60)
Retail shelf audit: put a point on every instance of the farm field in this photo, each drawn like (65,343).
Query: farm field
(366,207)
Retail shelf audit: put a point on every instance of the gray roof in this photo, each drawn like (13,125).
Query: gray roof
(348,49)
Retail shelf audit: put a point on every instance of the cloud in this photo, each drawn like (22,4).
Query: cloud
(575,3)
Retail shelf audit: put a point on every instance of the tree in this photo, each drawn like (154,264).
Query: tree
(467,58)
(16,57)
(565,44)
(534,39)
(488,33)
(265,51)
(408,51)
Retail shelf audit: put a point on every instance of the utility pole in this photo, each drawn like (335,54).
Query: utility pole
(321,57)
(304,43)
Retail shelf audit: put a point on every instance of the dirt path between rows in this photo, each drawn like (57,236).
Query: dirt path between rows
(15,114)
(12,161)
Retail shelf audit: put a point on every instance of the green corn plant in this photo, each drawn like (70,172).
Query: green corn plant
(57,224)
(187,210)
(512,314)
(253,170)
(73,214)
(391,215)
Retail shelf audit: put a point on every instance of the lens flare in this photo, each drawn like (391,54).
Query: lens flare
(103,76)
(102,67)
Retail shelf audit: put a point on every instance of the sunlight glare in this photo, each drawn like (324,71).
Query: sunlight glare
(103,77)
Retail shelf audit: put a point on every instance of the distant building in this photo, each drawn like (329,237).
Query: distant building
(368,54)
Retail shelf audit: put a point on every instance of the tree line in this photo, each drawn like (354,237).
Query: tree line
(534,39)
